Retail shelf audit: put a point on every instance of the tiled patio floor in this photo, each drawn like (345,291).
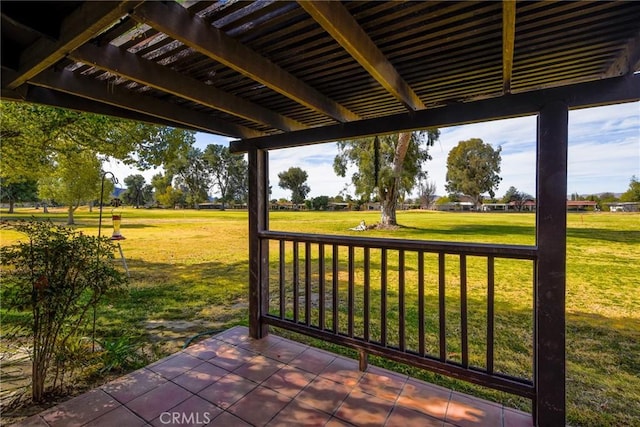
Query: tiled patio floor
(232,380)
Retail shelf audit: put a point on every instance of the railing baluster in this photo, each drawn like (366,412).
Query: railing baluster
(296,297)
(421,326)
(401,299)
(464,333)
(321,288)
(307,283)
(351,292)
(282,279)
(367,291)
(441,307)
(334,302)
(490,312)
(383,296)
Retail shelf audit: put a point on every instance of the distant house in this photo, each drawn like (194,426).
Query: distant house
(581,205)
(624,207)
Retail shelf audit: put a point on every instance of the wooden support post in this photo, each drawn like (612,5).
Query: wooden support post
(551,238)
(363,362)
(258,248)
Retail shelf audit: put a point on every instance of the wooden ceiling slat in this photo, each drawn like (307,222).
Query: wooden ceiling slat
(337,21)
(132,67)
(508,42)
(628,60)
(193,31)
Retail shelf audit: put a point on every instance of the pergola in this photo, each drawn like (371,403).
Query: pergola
(276,74)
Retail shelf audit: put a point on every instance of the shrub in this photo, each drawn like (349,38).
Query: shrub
(59,275)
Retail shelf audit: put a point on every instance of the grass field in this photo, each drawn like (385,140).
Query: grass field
(189,273)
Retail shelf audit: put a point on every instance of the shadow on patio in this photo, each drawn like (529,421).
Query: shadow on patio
(233,380)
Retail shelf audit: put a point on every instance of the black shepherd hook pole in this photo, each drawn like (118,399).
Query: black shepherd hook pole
(115,181)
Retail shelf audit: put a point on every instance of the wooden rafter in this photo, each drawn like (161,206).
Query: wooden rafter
(508,42)
(128,65)
(83,24)
(338,22)
(628,61)
(102,92)
(178,23)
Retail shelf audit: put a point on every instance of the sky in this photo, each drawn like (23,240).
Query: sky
(604,153)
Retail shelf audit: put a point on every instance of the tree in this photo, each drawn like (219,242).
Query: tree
(191,176)
(633,192)
(75,179)
(518,198)
(426,193)
(22,191)
(229,173)
(294,179)
(386,166)
(134,195)
(473,168)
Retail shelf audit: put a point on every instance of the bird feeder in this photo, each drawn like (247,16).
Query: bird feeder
(116,218)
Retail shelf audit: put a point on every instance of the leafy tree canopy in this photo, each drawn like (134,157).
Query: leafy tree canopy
(473,168)
(229,173)
(295,179)
(633,192)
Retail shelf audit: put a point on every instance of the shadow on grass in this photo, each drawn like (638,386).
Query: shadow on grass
(618,236)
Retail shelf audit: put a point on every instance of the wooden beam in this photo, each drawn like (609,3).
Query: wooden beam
(133,67)
(583,95)
(178,23)
(508,42)
(550,287)
(628,61)
(44,96)
(338,22)
(102,92)
(91,18)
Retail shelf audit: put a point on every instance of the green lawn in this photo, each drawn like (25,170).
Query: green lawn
(191,266)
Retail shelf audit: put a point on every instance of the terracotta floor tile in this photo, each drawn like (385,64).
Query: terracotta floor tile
(207,349)
(228,420)
(80,410)
(337,422)
(258,369)
(200,377)
(285,351)
(235,335)
(128,387)
(426,398)
(193,412)
(262,344)
(382,384)
(343,370)
(364,410)
(313,360)
(160,399)
(120,416)
(232,358)
(324,394)
(405,417)
(466,411)
(298,414)
(288,381)
(227,390)
(514,418)
(259,406)
(175,366)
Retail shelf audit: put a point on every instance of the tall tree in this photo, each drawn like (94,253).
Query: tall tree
(74,180)
(473,168)
(229,172)
(295,179)
(191,176)
(633,192)
(386,166)
(22,191)
(134,195)
(426,193)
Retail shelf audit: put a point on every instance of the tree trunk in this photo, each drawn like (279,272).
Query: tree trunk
(389,198)
(70,220)
(11,203)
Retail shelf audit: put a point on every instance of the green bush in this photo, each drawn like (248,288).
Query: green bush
(60,275)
